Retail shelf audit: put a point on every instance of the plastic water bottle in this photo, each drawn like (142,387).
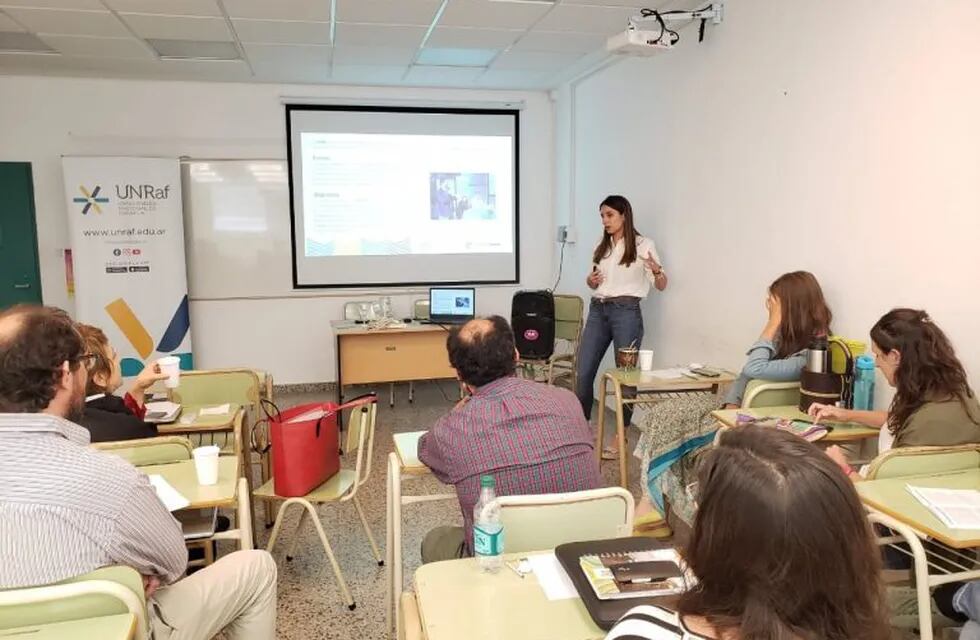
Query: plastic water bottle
(864,383)
(488,533)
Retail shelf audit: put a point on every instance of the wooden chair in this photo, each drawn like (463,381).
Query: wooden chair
(569,321)
(106,591)
(536,522)
(342,487)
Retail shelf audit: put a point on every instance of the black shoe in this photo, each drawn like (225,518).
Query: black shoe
(943,597)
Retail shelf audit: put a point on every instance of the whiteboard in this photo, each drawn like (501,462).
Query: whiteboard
(236,226)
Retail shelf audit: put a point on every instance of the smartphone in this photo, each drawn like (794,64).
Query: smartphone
(642,572)
(707,373)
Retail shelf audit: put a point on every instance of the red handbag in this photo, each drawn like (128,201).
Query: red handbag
(305,444)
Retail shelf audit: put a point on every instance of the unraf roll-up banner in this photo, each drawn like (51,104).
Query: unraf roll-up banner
(127,238)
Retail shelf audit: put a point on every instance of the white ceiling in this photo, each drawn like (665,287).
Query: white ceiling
(521,44)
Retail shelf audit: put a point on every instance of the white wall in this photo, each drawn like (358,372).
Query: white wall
(839,137)
(44,118)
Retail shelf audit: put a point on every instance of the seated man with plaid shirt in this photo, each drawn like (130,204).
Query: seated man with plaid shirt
(531,437)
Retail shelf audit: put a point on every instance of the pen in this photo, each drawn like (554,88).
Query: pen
(511,566)
(689,375)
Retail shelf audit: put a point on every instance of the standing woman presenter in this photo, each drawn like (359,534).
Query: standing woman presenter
(624,265)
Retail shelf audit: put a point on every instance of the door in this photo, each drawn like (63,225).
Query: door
(20,275)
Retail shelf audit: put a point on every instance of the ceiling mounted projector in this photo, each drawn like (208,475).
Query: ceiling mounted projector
(638,42)
(648,34)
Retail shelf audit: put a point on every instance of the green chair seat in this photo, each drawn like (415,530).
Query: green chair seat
(330,491)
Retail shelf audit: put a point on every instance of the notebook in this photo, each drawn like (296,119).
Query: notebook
(605,574)
(956,508)
(809,431)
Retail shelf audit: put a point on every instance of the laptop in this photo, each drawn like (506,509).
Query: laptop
(451,305)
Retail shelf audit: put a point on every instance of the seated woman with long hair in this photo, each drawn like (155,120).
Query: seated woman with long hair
(781,549)
(108,417)
(933,403)
(797,313)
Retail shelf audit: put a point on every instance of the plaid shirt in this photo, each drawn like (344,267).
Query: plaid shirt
(530,436)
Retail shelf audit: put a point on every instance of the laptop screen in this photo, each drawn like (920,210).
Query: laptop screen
(452,304)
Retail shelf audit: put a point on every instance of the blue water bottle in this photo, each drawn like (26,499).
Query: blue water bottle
(864,383)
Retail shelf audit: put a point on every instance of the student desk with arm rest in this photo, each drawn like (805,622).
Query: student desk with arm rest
(890,504)
(403,461)
(841,432)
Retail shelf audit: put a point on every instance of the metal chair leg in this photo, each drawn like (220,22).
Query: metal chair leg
(345,592)
(291,551)
(367,530)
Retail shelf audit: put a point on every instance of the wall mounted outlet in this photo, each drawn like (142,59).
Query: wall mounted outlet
(566,234)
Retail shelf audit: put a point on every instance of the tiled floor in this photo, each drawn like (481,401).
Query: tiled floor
(309,600)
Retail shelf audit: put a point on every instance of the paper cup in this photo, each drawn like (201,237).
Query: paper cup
(646,359)
(170,365)
(206,464)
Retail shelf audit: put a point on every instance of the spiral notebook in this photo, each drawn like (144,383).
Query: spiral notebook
(604,572)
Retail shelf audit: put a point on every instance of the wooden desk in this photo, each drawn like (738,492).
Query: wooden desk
(116,627)
(400,354)
(456,600)
(230,491)
(841,432)
(403,461)
(891,496)
(892,506)
(649,390)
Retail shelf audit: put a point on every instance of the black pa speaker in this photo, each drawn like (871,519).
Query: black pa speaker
(532,316)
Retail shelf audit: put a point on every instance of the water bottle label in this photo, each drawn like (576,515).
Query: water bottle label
(488,542)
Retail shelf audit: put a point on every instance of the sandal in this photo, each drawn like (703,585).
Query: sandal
(652,525)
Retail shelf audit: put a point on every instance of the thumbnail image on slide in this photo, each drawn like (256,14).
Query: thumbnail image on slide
(462,196)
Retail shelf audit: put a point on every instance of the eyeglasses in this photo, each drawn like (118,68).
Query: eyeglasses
(87,360)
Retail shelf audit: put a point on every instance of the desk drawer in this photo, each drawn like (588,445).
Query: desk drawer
(393,357)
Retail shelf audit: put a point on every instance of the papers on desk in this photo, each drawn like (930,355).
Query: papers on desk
(218,410)
(674,373)
(956,508)
(172,499)
(552,577)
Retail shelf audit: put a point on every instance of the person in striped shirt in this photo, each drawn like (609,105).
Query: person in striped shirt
(67,509)
(781,548)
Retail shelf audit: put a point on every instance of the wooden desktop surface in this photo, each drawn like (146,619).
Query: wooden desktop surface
(841,431)
(891,496)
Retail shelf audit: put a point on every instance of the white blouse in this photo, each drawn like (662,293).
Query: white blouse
(634,280)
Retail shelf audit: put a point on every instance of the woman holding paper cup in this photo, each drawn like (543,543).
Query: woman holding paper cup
(624,266)
(109,417)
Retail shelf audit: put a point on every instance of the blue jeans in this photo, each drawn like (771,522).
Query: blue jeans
(967,602)
(618,321)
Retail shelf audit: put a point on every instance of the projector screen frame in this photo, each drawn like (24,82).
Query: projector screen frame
(515,113)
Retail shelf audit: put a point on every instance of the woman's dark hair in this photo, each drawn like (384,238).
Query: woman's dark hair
(97,344)
(781,546)
(482,350)
(622,205)
(805,312)
(34,344)
(928,369)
